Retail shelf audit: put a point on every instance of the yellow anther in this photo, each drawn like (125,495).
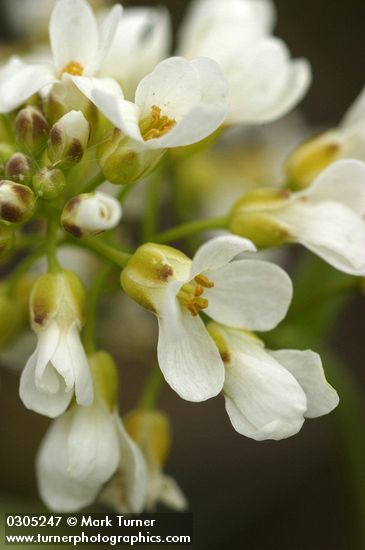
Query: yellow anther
(191,294)
(74,68)
(156,125)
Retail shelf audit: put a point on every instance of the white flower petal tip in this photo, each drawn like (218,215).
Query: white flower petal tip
(306,367)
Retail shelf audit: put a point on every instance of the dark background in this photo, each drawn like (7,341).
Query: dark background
(289,495)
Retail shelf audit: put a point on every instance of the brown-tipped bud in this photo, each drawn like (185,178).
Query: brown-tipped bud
(123,161)
(17,202)
(31,130)
(49,183)
(6,238)
(89,214)
(20,168)
(68,138)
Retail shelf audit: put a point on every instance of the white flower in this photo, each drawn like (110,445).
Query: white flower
(351,132)
(141,41)
(326,218)
(268,394)
(79,48)
(90,214)
(248,293)
(58,368)
(181,102)
(81,451)
(264,82)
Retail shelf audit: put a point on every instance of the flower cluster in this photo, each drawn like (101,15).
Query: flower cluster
(101,110)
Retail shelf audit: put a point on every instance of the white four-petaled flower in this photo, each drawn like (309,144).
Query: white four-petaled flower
(79,48)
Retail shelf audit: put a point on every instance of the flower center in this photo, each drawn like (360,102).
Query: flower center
(73,68)
(155,125)
(191,294)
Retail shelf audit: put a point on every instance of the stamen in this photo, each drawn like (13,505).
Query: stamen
(191,294)
(74,68)
(156,125)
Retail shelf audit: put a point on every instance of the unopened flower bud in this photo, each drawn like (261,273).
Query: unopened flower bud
(312,157)
(124,161)
(253,217)
(149,271)
(31,130)
(105,376)
(90,214)
(20,168)
(49,183)
(59,297)
(6,238)
(152,433)
(68,138)
(17,202)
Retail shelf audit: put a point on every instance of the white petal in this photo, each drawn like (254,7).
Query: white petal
(95,213)
(214,28)
(343,182)
(306,367)
(219,251)
(171,495)
(263,400)
(331,230)
(48,404)
(265,83)
(83,380)
(73,33)
(191,363)
(356,113)
(142,40)
(123,114)
(249,294)
(134,470)
(108,29)
(19,81)
(93,447)
(88,86)
(173,86)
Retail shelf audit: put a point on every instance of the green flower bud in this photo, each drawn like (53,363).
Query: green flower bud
(49,183)
(105,377)
(6,238)
(148,272)
(123,161)
(152,432)
(253,217)
(313,156)
(17,202)
(20,168)
(31,130)
(68,138)
(58,297)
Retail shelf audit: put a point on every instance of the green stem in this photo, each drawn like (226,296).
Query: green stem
(51,245)
(94,183)
(91,309)
(104,250)
(124,192)
(151,391)
(152,201)
(190,228)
